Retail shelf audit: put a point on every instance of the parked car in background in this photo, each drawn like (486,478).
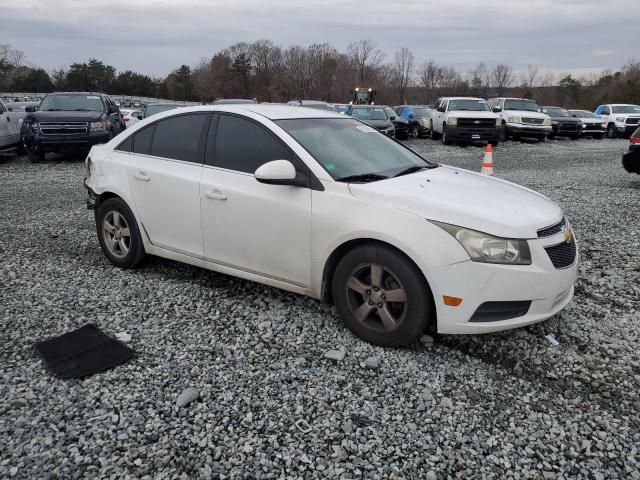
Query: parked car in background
(70,122)
(592,125)
(419,117)
(154,108)
(374,115)
(631,159)
(233,101)
(467,119)
(130,116)
(520,117)
(9,126)
(317,104)
(621,118)
(400,124)
(319,204)
(564,124)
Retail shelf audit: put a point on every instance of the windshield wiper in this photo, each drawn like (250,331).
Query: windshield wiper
(413,169)
(364,177)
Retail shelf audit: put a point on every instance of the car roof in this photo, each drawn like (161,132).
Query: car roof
(462,98)
(270,111)
(75,93)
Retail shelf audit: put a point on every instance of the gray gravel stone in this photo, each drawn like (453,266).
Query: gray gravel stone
(187,396)
(426,340)
(335,355)
(372,363)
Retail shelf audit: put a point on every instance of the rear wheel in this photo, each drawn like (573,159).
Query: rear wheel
(382,296)
(118,233)
(611,131)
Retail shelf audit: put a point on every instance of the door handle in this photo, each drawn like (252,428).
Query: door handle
(215,195)
(142,177)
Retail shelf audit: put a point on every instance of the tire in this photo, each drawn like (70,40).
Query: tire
(405,320)
(551,136)
(433,135)
(611,131)
(542,138)
(443,137)
(575,137)
(35,155)
(415,131)
(115,213)
(504,134)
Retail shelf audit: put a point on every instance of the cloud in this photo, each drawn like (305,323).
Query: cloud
(156,36)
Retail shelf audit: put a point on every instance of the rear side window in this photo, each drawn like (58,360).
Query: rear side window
(243,145)
(180,138)
(142,140)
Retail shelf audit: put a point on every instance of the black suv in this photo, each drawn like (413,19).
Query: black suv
(70,122)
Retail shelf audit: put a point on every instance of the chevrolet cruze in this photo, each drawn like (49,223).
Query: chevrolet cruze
(326,206)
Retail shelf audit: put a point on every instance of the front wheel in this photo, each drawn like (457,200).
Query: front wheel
(432,133)
(415,131)
(542,138)
(35,155)
(611,131)
(504,133)
(118,234)
(381,296)
(444,138)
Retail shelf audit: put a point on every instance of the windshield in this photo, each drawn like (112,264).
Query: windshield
(153,109)
(584,114)
(421,111)
(470,105)
(556,112)
(320,106)
(366,114)
(625,109)
(390,113)
(526,105)
(346,147)
(88,103)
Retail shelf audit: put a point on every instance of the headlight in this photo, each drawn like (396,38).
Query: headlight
(424,122)
(553,122)
(546,121)
(486,248)
(619,119)
(452,121)
(100,126)
(514,120)
(498,122)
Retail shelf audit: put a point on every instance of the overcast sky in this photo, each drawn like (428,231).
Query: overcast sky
(156,36)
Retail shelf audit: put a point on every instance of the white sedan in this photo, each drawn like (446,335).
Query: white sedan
(130,117)
(326,206)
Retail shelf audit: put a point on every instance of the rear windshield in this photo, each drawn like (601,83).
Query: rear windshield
(526,105)
(79,103)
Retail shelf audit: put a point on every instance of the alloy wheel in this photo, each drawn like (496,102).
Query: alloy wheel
(116,234)
(376,297)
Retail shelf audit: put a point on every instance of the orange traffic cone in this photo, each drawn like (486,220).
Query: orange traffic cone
(487,163)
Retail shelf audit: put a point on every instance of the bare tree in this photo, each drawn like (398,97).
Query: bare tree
(322,59)
(403,71)
(479,79)
(366,58)
(530,76)
(430,75)
(501,78)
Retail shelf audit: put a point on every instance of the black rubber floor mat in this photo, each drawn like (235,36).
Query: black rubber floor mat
(83,352)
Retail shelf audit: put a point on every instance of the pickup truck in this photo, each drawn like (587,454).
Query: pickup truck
(621,119)
(70,122)
(466,119)
(520,117)
(9,127)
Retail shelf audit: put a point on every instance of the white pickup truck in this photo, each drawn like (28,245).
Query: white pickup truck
(466,119)
(621,119)
(9,127)
(521,117)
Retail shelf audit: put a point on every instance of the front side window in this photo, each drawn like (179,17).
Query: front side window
(243,145)
(180,137)
(77,103)
(346,147)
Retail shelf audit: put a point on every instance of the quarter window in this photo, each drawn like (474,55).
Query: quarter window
(180,138)
(243,145)
(126,145)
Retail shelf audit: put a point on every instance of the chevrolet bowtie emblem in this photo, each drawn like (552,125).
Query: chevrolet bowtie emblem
(568,235)
(476,121)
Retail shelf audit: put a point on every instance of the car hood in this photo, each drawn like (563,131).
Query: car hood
(379,123)
(62,116)
(467,199)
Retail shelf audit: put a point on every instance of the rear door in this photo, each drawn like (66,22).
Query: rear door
(164,176)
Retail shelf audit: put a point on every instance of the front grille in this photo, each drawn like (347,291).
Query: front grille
(568,126)
(476,122)
(562,255)
(66,128)
(553,229)
(533,121)
(632,121)
(497,311)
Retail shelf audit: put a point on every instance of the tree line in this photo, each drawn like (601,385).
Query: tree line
(270,73)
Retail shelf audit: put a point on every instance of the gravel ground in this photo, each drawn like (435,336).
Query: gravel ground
(270,404)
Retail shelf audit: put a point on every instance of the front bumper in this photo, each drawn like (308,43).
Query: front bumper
(65,142)
(624,128)
(631,160)
(527,129)
(468,134)
(593,129)
(548,289)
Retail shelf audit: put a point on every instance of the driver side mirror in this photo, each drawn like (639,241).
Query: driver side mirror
(392,118)
(30,109)
(278,172)
(496,109)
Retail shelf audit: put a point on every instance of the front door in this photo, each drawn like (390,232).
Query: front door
(255,227)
